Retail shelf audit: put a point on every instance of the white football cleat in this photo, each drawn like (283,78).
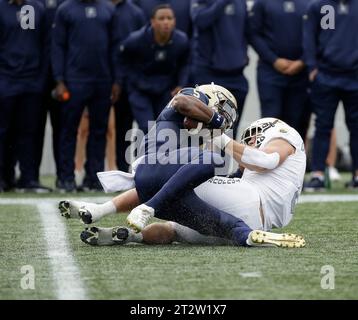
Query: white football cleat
(139,217)
(69,209)
(78,210)
(259,238)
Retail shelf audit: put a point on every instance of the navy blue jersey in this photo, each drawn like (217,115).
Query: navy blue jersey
(170,122)
(275,29)
(22,51)
(332,50)
(51,8)
(219,34)
(83,41)
(154,68)
(127,18)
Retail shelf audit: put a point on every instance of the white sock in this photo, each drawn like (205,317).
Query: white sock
(135,237)
(104,209)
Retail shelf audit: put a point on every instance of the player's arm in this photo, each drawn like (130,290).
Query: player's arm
(193,108)
(269,158)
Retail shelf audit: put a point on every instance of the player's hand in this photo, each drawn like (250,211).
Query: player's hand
(295,67)
(175,90)
(116,93)
(282,65)
(313,75)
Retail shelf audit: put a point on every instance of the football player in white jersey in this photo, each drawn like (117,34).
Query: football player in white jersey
(273,158)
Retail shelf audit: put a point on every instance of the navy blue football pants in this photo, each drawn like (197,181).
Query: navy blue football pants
(325,100)
(169,190)
(287,103)
(20,117)
(96,96)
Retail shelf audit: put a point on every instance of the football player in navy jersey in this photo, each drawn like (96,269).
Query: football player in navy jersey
(161,159)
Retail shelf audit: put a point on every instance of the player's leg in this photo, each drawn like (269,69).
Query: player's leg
(7,107)
(142,109)
(154,233)
(124,121)
(295,107)
(98,109)
(324,104)
(194,213)
(270,94)
(187,177)
(71,112)
(350,102)
(90,212)
(96,236)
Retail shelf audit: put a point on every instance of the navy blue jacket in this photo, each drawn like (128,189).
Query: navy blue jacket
(51,7)
(333,51)
(275,29)
(219,35)
(181,9)
(83,42)
(22,57)
(153,68)
(127,18)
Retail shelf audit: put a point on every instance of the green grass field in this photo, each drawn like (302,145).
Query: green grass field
(70,269)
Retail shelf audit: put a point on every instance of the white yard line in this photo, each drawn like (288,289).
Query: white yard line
(65,272)
(328,198)
(36,200)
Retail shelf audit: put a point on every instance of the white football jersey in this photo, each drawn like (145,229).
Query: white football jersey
(280,188)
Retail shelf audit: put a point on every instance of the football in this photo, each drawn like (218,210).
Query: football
(190,123)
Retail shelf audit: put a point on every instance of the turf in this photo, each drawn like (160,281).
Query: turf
(21,244)
(190,272)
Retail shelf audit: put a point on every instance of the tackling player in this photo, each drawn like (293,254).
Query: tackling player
(213,106)
(274,157)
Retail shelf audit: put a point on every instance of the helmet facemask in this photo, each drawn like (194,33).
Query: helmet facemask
(256,130)
(221,102)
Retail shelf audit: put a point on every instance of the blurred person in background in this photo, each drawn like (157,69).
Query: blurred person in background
(128,18)
(275,29)
(220,46)
(23,46)
(181,10)
(154,61)
(83,51)
(82,139)
(49,105)
(331,54)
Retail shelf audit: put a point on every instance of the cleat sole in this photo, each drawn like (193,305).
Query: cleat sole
(285,240)
(64,207)
(120,235)
(90,236)
(85,216)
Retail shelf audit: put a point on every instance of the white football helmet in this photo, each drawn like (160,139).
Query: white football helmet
(259,128)
(222,101)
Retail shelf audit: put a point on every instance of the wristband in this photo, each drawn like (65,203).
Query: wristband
(217,121)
